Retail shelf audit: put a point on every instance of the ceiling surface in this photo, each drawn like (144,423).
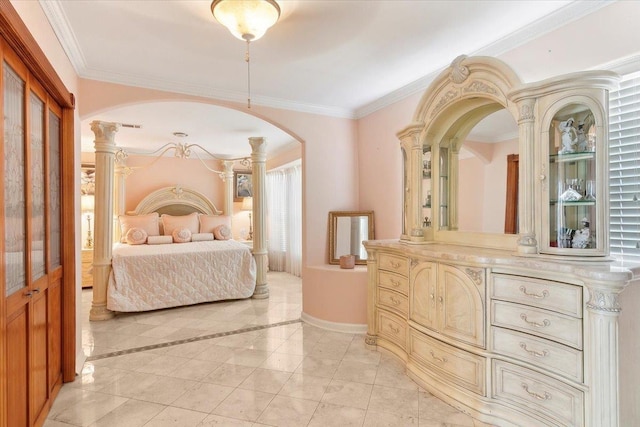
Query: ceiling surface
(338,58)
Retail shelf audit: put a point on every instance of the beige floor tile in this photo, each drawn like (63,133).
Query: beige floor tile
(282,362)
(299,347)
(132,413)
(218,421)
(215,353)
(229,375)
(355,371)
(162,365)
(394,400)
(93,406)
(247,357)
(305,387)
(194,369)
(266,380)
(288,412)
(244,404)
(203,397)
(176,417)
(335,415)
(348,394)
(165,390)
(318,367)
(387,419)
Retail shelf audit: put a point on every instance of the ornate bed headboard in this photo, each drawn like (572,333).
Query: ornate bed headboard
(175,201)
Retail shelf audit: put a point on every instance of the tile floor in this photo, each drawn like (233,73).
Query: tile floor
(177,367)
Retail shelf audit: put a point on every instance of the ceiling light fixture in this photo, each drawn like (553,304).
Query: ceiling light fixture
(247,20)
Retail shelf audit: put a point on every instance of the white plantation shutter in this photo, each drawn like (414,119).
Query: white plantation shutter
(624,164)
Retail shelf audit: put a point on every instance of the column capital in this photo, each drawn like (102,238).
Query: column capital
(258,148)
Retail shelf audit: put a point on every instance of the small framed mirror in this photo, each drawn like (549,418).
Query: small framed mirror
(347,231)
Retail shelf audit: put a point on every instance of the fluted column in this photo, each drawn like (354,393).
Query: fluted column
(412,146)
(105,155)
(227,177)
(259,172)
(601,369)
(527,243)
(453,184)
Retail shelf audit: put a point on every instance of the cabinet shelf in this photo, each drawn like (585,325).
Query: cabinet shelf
(570,157)
(574,203)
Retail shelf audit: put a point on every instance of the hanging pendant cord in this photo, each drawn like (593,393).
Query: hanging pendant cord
(248,60)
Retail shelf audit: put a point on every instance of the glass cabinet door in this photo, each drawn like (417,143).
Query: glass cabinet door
(573,180)
(426,187)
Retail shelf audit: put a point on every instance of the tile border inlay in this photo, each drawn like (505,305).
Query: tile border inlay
(192,339)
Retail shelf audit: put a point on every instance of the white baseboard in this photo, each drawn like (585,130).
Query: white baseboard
(349,328)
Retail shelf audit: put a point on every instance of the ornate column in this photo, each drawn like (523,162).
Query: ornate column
(227,178)
(259,171)
(119,190)
(412,147)
(527,243)
(105,154)
(453,184)
(601,369)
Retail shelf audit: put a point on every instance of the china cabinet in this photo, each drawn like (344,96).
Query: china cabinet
(514,329)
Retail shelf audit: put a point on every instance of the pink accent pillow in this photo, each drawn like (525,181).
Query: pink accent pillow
(222,232)
(171,222)
(159,240)
(181,235)
(209,222)
(149,223)
(136,236)
(201,237)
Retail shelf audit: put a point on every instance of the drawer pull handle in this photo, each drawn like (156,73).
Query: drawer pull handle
(544,294)
(441,300)
(439,359)
(433,299)
(544,323)
(394,300)
(395,283)
(394,264)
(545,396)
(394,330)
(544,353)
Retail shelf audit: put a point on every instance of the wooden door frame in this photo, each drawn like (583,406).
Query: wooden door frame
(511,206)
(18,37)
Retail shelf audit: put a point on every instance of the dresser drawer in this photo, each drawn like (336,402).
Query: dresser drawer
(392,328)
(458,366)
(393,301)
(543,353)
(555,296)
(538,394)
(543,323)
(393,281)
(394,263)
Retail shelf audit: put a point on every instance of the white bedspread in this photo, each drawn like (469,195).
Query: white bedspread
(149,277)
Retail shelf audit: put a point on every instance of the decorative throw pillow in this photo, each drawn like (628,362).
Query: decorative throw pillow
(181,235)
(149,223)
(209,222)
(222,232)
(201,237)
(159,240)
(136,236)
(173,222)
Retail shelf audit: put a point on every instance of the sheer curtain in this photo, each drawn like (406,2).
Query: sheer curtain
(284,220)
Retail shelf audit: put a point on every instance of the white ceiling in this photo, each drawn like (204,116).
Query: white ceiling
(339,58)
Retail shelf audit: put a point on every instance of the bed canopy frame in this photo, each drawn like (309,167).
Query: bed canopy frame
(110,177)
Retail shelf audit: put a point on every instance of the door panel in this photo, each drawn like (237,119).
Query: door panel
(39,389)
(17,378)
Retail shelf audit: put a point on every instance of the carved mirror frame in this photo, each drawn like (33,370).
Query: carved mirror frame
(333,217)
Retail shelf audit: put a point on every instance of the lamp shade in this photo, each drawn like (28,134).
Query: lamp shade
(87,203)
(246,19)
(247,204)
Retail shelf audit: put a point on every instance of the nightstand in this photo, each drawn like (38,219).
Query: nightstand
(87,263)
(247,242)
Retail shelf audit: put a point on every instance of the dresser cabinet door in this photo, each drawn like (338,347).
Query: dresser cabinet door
(423,306)
(461,306)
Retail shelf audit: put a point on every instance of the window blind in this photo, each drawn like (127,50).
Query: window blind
(624,169)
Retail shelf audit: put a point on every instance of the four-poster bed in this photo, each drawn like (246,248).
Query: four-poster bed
(194,261)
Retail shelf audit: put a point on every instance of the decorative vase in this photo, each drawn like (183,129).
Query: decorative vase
(347,261)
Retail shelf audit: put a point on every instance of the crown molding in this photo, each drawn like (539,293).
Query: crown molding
(60,24)
(622,66)
(552,21)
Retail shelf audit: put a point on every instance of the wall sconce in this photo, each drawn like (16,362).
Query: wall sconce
(247,205)
(87,204)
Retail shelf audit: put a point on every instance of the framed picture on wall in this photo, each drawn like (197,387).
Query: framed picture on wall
(242,185)
(87,179)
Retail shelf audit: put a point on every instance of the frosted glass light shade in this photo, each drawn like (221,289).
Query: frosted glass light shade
(246,19)
(247,204)
(87,203)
